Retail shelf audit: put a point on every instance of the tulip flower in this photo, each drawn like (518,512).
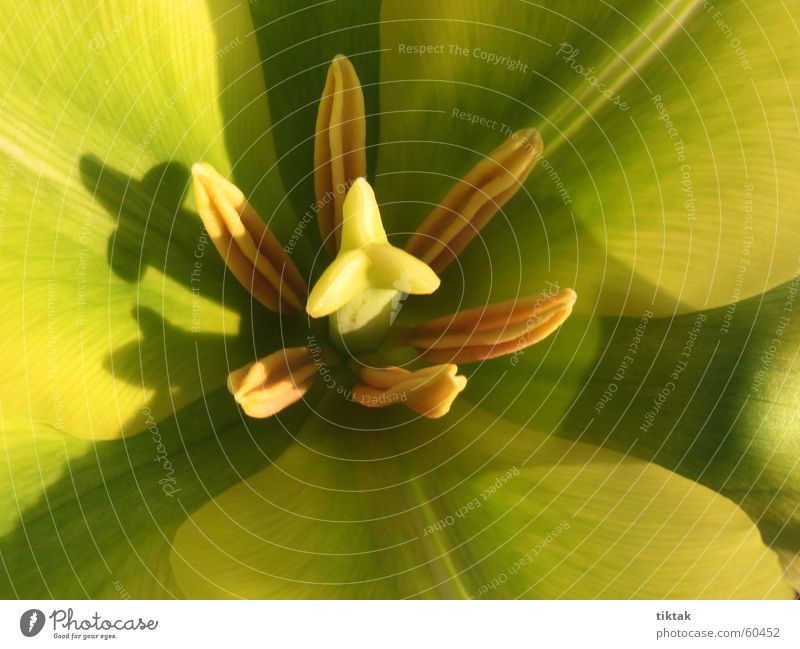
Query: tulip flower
(399,299)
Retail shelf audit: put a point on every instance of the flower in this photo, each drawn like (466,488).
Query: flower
(647,448)
(361,290)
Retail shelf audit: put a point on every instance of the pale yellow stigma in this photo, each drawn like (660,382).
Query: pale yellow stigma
(366,259)
(252,253)
(473,201)
(361,287)
(339,154)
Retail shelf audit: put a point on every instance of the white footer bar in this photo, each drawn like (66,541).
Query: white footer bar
(379,624)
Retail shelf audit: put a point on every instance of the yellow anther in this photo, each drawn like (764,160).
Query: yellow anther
(253,254)
(429,392)
(473,201)
(339,154)
(269,385)
(493,330)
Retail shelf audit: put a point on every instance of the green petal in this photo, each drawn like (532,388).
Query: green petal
(103,115)
(443,111)
(481,509)
(539,385)
(684,219)
(608,198)
(712,396)
(86,520)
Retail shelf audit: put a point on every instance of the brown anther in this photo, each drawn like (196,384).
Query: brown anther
(269,385)
(429,392)
(250,250)
(493,330)
(475,199)
(339,153)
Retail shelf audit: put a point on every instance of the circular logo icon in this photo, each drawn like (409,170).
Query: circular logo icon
(31,622)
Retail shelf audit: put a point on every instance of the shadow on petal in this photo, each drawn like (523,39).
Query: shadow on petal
(97,519)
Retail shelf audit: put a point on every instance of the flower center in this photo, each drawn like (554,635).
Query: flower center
(362,289)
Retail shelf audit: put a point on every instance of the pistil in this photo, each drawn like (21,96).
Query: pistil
(362,288)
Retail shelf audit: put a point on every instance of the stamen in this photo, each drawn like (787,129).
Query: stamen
(267,386)
(493,330)
(362,286)
(339,154)
(250,250)
(429,392)
(473,201)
